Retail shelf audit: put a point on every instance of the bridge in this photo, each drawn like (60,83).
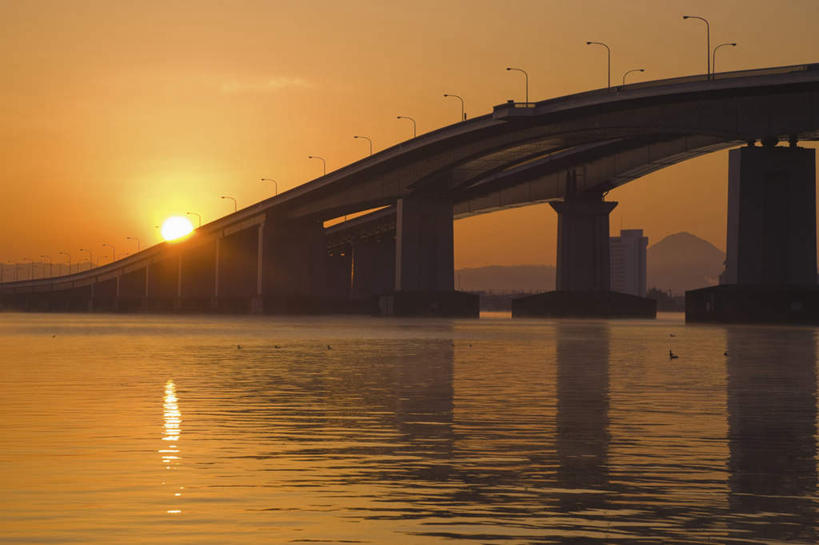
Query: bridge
(278,255)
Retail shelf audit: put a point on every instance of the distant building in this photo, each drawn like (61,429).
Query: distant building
(628,262)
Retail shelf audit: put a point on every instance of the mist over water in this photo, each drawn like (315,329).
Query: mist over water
(181,429)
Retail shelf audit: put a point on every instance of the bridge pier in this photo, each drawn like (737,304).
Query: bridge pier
(238,270)
(424,262)
(198,277)
(373,271)
(583,243)
(132,293)
(293,255)
(770,269)
(339,272)
(162,284)
(583,267)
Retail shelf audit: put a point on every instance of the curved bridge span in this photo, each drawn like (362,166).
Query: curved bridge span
(277,256)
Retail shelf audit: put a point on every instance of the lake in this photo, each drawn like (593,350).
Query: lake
(218,429)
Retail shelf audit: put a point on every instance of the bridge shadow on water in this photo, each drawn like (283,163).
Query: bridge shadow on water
(772,433)
(471,439)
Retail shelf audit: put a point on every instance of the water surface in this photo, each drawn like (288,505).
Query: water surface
(180,429)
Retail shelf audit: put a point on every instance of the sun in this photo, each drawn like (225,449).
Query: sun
(176,227)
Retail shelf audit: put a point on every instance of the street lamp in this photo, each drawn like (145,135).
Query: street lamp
(463,115)
(608,51)
(275,185)
(235,207)
(113,252)
(69,260)
(323,163)
(90,259)
(630,71)
(414,131)
(50,269)
(525,80)
(707,42)
(137,241)
(714,57)
(369,140)
(198,217)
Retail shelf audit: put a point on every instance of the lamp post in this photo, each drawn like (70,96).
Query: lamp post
(463,115)
(323,163)
(50,268)
(198,218)
(69,260)
(369,141)
(525,80)
(275,185)
(90,259)
(714,56)
(630,71)
(113,252)
(235,206)
(414,131)
(608,52)
(137,241)
(707,38)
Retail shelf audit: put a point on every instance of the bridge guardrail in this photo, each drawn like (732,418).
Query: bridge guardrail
(511,108)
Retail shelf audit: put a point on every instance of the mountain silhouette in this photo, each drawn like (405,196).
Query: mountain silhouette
(682,261)
(678,262)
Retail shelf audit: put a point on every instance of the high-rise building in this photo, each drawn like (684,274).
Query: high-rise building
(628,262)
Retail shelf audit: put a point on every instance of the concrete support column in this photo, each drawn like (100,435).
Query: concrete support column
(147,279)
(294,256)
(216,268)
(238,270)
(340,272)
(771,217)
(373,266)
(214,298)
(257,303)
(179,276)
(177,302)
(117,281)
(583,243)
(423,244)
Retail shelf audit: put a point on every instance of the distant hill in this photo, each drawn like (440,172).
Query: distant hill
(521,278)
(678,263)
(682,262)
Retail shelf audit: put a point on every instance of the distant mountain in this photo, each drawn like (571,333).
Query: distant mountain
(522,278)
(682,261)
(678,263)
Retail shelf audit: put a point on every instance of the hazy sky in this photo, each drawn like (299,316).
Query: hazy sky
(115,115)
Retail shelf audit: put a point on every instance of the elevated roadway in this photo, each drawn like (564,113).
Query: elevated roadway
(522,153)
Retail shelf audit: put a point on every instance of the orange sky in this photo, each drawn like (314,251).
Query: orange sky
(115,115)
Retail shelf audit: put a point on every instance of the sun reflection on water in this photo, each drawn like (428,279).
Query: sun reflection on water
(170,452)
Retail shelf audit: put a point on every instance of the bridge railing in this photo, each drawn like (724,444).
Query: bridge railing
(752,72)
(512,108)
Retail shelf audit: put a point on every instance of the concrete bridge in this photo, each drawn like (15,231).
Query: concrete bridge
(278,256)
